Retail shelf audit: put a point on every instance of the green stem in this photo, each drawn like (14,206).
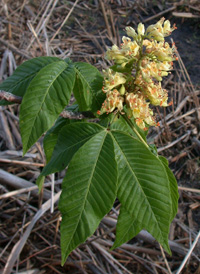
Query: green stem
(134,129)
(139,61)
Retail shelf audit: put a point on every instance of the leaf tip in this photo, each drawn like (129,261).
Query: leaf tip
(115,245)
(64,258)
(166,247)
(40,181)
(24,150)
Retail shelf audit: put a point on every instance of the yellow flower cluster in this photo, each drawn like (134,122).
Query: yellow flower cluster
(152,91)
(129,50)
(139,66)
(161,50)
(139,108)
(160,30)
(113,101)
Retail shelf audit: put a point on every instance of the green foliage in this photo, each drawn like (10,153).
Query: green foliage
(105,161)
(46,97)
(145,196)
(122,125)
(88,83)
(18,83)
(70,138)
(51,137)
(173,187)
(89,191)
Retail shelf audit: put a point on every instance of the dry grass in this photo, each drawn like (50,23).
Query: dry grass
(81,30)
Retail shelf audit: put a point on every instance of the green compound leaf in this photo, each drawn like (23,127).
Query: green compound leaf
(47,95)
(18,83)
(88,82)
(70,139)
(143,190)
(89,191)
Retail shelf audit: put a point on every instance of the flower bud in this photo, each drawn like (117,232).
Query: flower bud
(130,32)
(122,90)
(140,29)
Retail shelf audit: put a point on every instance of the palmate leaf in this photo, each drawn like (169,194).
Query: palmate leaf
(143,190)
(88,191)
(70,139)
(18,83)
(47,95)
(88,82)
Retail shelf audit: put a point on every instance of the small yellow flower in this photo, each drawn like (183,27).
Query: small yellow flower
(116,54)
(157,95)
(139,109)
(121,56)
(131,32)
(162,50)
(151,70)
(113,101)
(112,79)
(158,31)
(152,91)
(130,48)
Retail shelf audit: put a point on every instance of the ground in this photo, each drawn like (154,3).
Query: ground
(83,30)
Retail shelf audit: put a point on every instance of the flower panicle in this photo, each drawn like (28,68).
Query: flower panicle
(141,62)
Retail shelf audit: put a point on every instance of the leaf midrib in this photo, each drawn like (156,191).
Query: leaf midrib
(88,188)
(26,77)
(140,188)
(45,95)
(81,76)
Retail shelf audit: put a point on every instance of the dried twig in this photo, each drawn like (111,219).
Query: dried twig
(174,142)
(65,114)
(23,163)
(26,189)
(17,183)
(185,15)
(7,134)
(188,254)
(158,15)
(165,259)
(9,97)
(12,47)
(106,20)
(64,21)
(20,244)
